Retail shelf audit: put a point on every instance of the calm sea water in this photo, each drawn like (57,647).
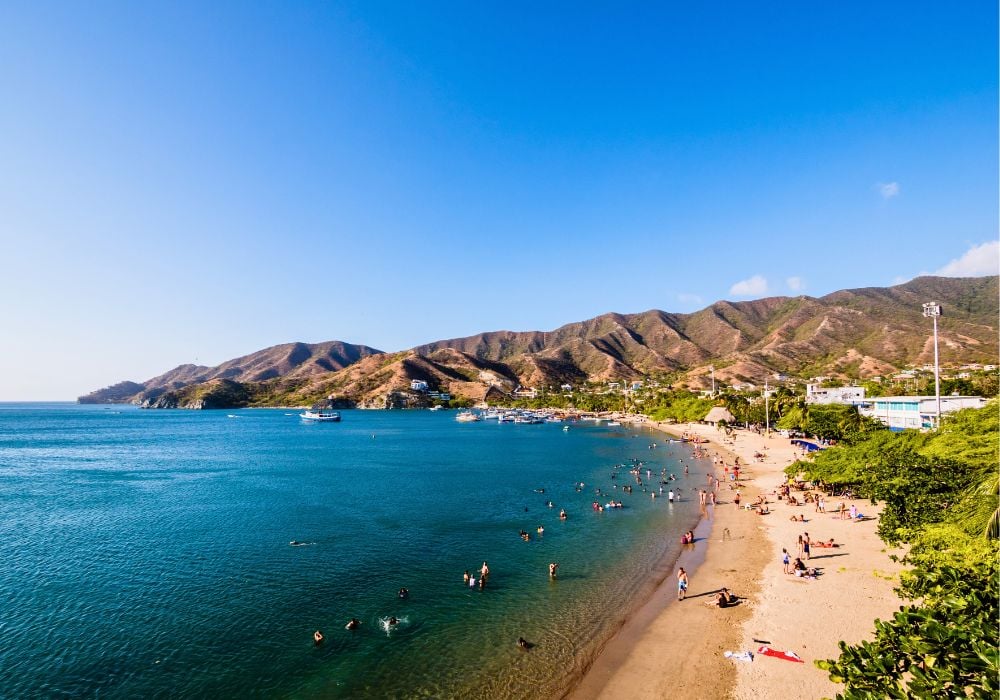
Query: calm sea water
(146,553)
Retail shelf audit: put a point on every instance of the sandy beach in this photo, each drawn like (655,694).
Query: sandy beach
(676,649)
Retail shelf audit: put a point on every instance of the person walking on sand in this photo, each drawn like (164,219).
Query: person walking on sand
(736,499)
(786,560)
(799,547)
(682,584)
(805,545)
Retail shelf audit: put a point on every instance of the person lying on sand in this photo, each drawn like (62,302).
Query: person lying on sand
(829,543)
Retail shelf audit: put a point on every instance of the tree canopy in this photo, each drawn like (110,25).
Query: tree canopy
(941,495)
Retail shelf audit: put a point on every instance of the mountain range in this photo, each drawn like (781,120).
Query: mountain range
(852,333)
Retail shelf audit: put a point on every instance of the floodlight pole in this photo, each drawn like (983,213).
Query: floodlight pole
(767,409)
(932,310)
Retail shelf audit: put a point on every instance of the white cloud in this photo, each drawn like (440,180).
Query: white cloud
(796,284)
(686,298)
(888,190)
(978,261)
(752,287)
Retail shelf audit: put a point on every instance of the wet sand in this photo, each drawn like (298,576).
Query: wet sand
(675,649)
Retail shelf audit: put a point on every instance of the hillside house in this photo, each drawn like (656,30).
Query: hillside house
(847,395)
(418,385)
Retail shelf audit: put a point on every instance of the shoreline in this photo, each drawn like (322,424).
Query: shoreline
(676,649)
(661,650)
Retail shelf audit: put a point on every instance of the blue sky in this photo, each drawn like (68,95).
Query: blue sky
(189,182)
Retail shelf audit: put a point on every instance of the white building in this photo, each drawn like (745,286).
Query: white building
(848,395)
(566,387)
(523,393)
(418,385)
(915,412)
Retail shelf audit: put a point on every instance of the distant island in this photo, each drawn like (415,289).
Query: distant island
(845,336)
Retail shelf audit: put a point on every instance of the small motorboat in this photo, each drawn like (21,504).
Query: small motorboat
(320,416)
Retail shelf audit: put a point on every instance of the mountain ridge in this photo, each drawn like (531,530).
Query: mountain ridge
(864,331)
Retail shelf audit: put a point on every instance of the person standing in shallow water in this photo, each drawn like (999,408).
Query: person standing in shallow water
(552,569)
(682,584)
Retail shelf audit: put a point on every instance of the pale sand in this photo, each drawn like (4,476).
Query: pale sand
(676,649)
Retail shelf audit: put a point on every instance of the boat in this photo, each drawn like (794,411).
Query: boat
(467,417)
(438,407)
(320,416)
(613,423)
(565,428)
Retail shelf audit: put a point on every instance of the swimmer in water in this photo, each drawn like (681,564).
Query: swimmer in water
(353,624)
(522,643)
(466,577)
(541,530)
(317,637)
(404,593)
(393,621)
(552,569)
(562,515)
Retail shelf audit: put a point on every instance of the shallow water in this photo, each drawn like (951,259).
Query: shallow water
(146,553)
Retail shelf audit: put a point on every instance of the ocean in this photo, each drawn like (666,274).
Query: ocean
(146,553)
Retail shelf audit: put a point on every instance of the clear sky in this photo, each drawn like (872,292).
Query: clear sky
(189,182)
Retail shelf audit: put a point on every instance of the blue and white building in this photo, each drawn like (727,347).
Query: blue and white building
(915,412)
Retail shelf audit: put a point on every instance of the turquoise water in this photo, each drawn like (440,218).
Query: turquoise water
(146,553)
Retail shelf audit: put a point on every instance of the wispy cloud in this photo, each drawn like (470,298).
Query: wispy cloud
(686,298)
(796,284)
(888,190)
(978,261)
(752,287)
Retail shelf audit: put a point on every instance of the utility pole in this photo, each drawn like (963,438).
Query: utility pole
(712,367)
(767,409)
(932,310)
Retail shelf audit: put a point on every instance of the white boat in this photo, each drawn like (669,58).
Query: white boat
(439,407)
(613,423)
(467,417)
(320,416)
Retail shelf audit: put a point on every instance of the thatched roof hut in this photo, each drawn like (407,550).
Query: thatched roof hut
(719,413)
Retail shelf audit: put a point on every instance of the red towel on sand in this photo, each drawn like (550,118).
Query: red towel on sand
(786,655)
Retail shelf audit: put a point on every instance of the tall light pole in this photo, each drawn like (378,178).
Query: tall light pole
(932,310)
(712,367)
(767,409)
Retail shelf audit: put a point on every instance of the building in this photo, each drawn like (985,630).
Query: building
(915,412)
(848,395)
(523,393)
(566,388)
(418,385)
(635,386)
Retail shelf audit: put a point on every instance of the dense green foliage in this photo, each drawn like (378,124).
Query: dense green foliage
(830,422)
(683,408)
(941,495)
